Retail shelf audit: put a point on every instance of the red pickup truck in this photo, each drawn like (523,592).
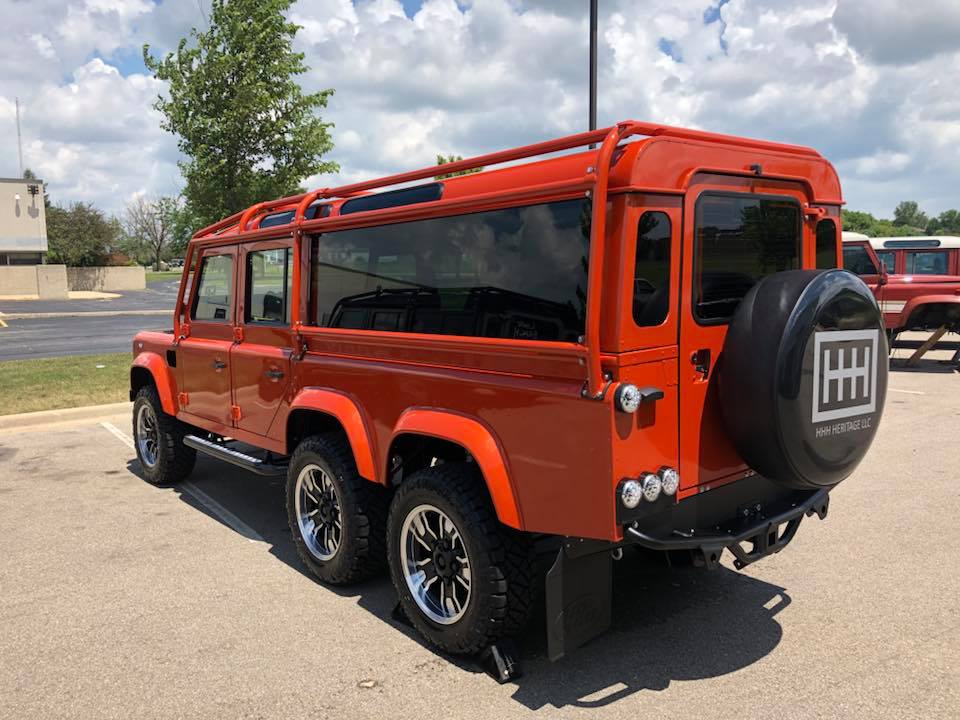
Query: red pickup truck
(910,299)
(648,344)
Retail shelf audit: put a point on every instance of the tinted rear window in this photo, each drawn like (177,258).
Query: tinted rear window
(514,273)
(738,240)
(826,244)
(651,276)
(926,263)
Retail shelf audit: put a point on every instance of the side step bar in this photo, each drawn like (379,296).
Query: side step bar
(234,457)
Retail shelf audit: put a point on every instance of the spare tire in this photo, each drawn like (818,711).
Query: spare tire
(803,376)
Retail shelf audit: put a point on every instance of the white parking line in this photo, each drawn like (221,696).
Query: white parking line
(908,392)
(231,520)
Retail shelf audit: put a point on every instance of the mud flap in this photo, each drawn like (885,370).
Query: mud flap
(578,600)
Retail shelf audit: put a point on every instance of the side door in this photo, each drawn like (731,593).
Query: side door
(733,236)
(203,356)
(260,361)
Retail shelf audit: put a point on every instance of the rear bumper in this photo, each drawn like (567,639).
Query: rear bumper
(766,528)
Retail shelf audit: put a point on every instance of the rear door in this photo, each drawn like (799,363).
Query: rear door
(732,238)
(260,361)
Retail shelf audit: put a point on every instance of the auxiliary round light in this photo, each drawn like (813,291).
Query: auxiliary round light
(630,493)
(651,486)
(627,398)
(669,480)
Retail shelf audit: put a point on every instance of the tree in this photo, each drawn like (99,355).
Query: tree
(946,223)
(856,221)
(80,235)
(248,131)
(445,160)
(150,225)
(908,213)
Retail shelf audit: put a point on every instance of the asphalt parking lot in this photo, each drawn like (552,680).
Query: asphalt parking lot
(121,600)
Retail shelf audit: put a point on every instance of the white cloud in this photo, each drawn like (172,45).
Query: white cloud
(870,83)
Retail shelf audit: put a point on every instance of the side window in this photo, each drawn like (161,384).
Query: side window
(888,258)
(737,241)
(651,273)
(858,261)
(516,273)
(215,290)
(269,286)
(826,245)
(926,263)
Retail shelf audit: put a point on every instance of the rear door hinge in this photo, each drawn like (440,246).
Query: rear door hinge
(235,413)
(183,399)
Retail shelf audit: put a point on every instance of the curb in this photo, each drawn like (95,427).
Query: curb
(46,417)
(80,313)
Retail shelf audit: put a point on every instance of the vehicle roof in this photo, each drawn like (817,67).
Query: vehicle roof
(666,161)
(908,242)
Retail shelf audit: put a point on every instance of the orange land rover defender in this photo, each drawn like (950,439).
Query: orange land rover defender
(643,344)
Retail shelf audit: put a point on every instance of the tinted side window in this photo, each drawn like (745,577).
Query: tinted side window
(215,290)
(739,240)
(826,244)
(858,261)
(513,273)
(651,275)
(269,286)
(926,263)
(888,258)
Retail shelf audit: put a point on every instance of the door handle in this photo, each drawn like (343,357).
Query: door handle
(274,373)
(701,362)
(219,364)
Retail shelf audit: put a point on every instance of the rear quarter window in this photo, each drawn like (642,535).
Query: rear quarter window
(740,239)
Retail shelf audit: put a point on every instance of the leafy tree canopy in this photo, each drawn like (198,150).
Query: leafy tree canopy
(446,160)
(248,131)
(80,235)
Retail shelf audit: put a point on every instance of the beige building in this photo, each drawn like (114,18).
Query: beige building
(23,222)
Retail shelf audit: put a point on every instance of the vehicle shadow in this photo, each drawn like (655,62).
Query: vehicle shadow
(679,623)
(925,365)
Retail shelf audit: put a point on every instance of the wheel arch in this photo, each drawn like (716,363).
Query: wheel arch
(925,303)
(149,368)
(475,438)
(324,409)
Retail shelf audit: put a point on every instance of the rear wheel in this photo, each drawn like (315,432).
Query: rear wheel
(158,439)
(337,517)
(463,579)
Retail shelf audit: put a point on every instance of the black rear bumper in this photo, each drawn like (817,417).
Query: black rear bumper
(752,518)
(768,529)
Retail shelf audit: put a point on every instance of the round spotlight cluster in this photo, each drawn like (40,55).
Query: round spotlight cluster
(649,487)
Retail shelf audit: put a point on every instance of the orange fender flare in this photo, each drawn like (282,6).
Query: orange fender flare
(162,379)
(480,442)
(346,410)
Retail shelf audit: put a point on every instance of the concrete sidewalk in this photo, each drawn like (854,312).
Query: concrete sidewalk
(159,297)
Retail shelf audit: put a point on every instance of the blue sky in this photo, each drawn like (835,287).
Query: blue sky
(870,83)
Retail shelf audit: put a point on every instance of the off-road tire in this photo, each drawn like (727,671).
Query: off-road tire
(175,460)
(502,559)
(363,512)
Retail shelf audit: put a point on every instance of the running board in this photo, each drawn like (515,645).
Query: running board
(234,457)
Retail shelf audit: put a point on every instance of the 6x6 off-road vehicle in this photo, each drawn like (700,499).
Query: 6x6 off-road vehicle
(645,344)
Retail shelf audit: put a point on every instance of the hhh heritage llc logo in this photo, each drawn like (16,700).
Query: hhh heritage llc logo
(844,378)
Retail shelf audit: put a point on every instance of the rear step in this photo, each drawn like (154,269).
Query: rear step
(234,457)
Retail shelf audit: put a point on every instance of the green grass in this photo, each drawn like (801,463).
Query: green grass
(167,275)
(64,382)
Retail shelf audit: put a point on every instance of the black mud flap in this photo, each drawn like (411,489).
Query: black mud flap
(578,599)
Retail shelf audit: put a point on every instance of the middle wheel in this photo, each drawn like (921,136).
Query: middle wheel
(463,579)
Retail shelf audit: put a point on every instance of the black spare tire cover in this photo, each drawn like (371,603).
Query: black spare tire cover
(803,376)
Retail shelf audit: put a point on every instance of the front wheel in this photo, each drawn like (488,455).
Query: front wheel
(463,579)
(158,439)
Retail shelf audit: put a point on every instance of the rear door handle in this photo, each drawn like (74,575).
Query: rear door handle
(219,364)
(274,373)
(701,362)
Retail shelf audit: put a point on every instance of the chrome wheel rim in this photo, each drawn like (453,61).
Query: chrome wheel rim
(148,436)
(318,512)
(435,564)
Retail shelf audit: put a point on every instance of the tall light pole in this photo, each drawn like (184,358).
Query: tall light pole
(19,142)
(593,64)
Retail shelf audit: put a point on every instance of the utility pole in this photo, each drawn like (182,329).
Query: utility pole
(593,67)
(19,141)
